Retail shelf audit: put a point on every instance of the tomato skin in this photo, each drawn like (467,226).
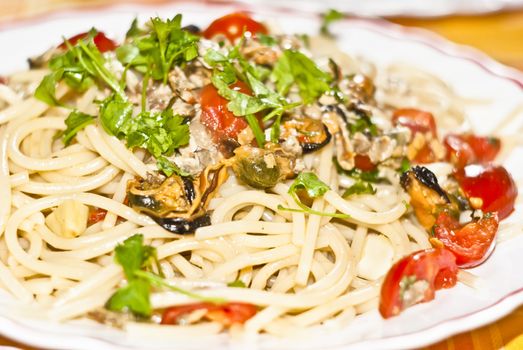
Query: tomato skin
(363,163)
(233,25)
(102,42)
(416,120)
(471,244)
(466,149)
(221,123)
(96,215)
(492,184)
(227,314)
(436,267)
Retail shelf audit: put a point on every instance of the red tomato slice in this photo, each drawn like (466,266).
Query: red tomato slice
(415,278)
(492,184)
(472,243)
(468,148)
(221,122)
(227,314)
(416,120)
(96,215)
(102,42)
(363,163)
(233,26)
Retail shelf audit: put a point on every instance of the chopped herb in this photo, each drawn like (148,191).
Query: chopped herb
(363,125)
(136,258)
(404,166)
(81,66)
(359,187)
(169,168)
(314,188)
(266,40)
(165,46)
(237,284)
(293,67)
(161,133)
(134,30)
(75,122)
(328,18)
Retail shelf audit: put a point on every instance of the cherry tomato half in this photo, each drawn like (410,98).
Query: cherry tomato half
(363,163)
(471,243)
(221,122)
(233,26)
(96,215)
(418,121)
(415,278)
(227,314)
(466,149)
(493,185)
(102,42)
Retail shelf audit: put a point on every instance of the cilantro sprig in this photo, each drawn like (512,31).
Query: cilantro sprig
(231,67)
(293,67)
(80,67)
(157,51)
(75,122)
(161,133)
(313,188)
(137,259)
(328,18)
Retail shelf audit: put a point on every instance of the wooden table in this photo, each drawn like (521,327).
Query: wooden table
(500,35)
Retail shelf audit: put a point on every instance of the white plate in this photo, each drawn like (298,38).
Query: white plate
(469,72)
(390,8)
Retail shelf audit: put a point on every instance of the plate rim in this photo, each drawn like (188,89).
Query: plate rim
(429,335)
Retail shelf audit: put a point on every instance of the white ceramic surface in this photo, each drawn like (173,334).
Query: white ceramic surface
(469,72)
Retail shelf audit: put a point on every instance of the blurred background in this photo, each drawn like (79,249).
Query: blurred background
(492,26)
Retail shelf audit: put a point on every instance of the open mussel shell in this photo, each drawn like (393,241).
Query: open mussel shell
(312,134)
(178,204)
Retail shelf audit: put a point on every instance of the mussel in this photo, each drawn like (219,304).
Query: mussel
(312,134)
(262,168)
(427,197)
(177,203)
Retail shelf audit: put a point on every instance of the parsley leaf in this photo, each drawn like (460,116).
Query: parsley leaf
(364,125)
(236,284)
(267,40)
(328,18)
(135,258)
(165,46)
(314,188)
(169,168)
(81,66)
(293,67)
(359,187)
(310,183)
(161,133)
(135,297)
(75,122)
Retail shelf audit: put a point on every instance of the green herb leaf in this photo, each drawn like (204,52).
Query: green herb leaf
(404,166)
(46,91)
(165,46)
(236,284)
(169,168)
(310,183)
(328,18)
(134,30)
(293,67)
(133,255)
(80,67)
(161,133)
(266,40)
(135,297)
(364,125)
(75,122)
(360,187)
